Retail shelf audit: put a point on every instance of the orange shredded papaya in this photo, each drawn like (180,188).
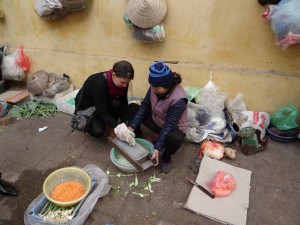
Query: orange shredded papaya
(67,191)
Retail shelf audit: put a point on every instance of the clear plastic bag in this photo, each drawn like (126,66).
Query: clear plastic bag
(149,35)
(198,116)
(50,9)
(60,84)
(10,69)
(212,100)
(101,189)
(285,22)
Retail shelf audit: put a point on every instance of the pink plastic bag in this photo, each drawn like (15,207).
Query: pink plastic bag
(23,60)
(222,184)
(212,149)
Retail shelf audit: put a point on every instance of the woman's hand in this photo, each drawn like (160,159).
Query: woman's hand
(131,129)
(111,132)
(155,156)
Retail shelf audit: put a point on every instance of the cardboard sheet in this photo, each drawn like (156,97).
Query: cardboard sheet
(231,209)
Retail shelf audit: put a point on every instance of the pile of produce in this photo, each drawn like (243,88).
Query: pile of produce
(33,108)
(57,214)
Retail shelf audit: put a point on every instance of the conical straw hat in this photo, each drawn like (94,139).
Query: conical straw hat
(146,13)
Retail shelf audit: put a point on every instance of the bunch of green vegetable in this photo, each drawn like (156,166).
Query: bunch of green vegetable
(33,108)
(57,214)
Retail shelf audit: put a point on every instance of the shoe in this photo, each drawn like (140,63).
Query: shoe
(7,189)
(166,167)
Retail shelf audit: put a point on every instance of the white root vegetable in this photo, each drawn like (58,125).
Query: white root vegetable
(230,153)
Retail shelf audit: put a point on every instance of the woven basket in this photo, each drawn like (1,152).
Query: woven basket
(64,175)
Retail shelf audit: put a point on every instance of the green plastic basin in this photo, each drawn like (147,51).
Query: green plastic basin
(122,163)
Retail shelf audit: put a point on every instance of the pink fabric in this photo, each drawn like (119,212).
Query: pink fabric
(290,39)
(113,90)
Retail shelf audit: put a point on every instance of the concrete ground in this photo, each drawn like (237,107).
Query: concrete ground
(29,156)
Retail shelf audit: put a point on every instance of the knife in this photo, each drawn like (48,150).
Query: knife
(200,187)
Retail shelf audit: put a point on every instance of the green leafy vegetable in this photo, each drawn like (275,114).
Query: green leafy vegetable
(33,108)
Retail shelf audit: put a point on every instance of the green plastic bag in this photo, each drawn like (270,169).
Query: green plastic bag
(285,118)
(192,92)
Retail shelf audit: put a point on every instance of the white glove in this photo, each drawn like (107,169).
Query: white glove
(124,134)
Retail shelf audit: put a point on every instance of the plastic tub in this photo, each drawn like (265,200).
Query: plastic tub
(66,104)
(279,138)
(35,212)
(123,164)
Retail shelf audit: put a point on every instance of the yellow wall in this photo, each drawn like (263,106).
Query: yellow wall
(230,37)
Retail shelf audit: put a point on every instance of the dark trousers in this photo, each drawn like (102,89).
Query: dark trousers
(97,126)
(173,140)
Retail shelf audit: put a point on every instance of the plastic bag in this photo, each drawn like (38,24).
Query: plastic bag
(212,149)
(212,99)
(237,104)
(74,5)
(127,20)
(285,22)
(50,9)
(285,117)
(23,60)
(198,116)
(10,69)
(153,34)
(60,84)
(222,184)
(192,93)
(101,189)
(194,135)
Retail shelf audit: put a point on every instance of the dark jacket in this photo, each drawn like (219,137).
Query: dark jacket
(95,93)
(174,114)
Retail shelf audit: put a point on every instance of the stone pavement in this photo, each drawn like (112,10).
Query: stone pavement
(29,156)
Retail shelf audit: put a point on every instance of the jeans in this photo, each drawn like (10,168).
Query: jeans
(97,126)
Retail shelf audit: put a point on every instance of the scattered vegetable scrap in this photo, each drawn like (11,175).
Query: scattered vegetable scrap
(118,174)
(140,194)
(147,186)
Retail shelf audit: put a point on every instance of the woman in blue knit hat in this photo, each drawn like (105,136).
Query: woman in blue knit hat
(164,111)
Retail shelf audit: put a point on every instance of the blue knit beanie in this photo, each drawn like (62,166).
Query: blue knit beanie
(160,74)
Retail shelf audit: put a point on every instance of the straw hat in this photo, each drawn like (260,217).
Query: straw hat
(146,13)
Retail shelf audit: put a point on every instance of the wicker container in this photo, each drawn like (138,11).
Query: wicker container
(64,175)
